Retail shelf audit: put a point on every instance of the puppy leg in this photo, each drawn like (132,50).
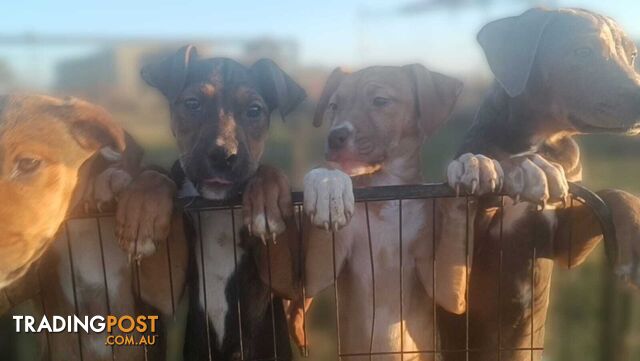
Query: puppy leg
(579,233)
(268,215)
(328,203)
(144,213)
(479,175)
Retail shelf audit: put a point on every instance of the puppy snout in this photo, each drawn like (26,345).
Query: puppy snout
(222,159)
(338,138)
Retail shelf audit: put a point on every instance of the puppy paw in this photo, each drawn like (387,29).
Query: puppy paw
(476,174)
(328,198)
(101,194)
(266,203)
(144,213)
(534,179)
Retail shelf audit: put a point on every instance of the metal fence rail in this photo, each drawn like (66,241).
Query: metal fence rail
(397,194)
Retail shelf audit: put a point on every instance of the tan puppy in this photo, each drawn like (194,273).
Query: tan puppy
(53,159)
(379,118)
(44,142)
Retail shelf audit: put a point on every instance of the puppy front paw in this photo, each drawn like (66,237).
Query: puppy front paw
(475,173)
(328,198)
(266,203)
(532,178)
(102,192)
(144,213)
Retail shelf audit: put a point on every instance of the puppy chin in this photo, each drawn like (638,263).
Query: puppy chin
(354,168)
(214,193)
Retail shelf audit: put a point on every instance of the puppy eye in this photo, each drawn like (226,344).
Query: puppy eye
(380,101)
(254,111)
(28,165)
(634,55)
(583,52)
(192,103)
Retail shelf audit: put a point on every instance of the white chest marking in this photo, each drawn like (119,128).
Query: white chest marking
(217,251)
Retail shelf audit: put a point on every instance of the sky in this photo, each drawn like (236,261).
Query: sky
(350,33)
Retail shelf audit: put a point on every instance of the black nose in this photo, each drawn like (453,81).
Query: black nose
(338,138)
(221,159)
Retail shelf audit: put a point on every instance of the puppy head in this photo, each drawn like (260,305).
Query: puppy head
(381,113)
(220,113)
(576,64)
(43,144)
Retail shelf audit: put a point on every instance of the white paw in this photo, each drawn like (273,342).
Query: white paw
(534,179)
(477,174)
(328,198)
(140,248)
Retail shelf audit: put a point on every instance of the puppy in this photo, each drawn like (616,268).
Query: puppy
(380,117)
(46,143)
(220,114)
(60,155)
(559,73)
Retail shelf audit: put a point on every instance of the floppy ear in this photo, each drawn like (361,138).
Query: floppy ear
(510,46)
(170,74)
(333,81)
(279,89)
(92,126)
(435,96)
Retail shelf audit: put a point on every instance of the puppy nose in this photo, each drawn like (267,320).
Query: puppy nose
(338,138)
(221,159)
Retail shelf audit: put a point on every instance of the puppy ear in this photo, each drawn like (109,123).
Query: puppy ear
(279,90)
(92,126)
(435,96)
(510,46)
(170,74)
(333,81)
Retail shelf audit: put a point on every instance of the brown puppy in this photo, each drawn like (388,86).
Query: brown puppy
(44,143)
(220,116)
(51,149)
(380,117)
(559,73)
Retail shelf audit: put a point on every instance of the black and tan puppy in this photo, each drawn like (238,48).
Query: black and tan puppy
(220,114)
(559,73)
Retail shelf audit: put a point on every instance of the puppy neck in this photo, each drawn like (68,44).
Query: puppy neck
(505,126)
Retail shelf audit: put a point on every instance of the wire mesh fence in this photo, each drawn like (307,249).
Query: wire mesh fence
(92,238)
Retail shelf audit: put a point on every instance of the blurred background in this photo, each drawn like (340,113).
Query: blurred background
(95,51)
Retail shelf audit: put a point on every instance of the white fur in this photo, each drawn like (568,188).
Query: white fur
(219,264)
(328,195)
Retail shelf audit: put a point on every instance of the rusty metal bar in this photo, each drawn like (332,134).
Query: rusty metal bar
(73,283)
(104,275)
(335,289)
(500,272)
(204,287)
(373,280)
(303,293)
(402,325)
(236,286)
(170,267)
(44,312)
(434,274)
(466,263)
